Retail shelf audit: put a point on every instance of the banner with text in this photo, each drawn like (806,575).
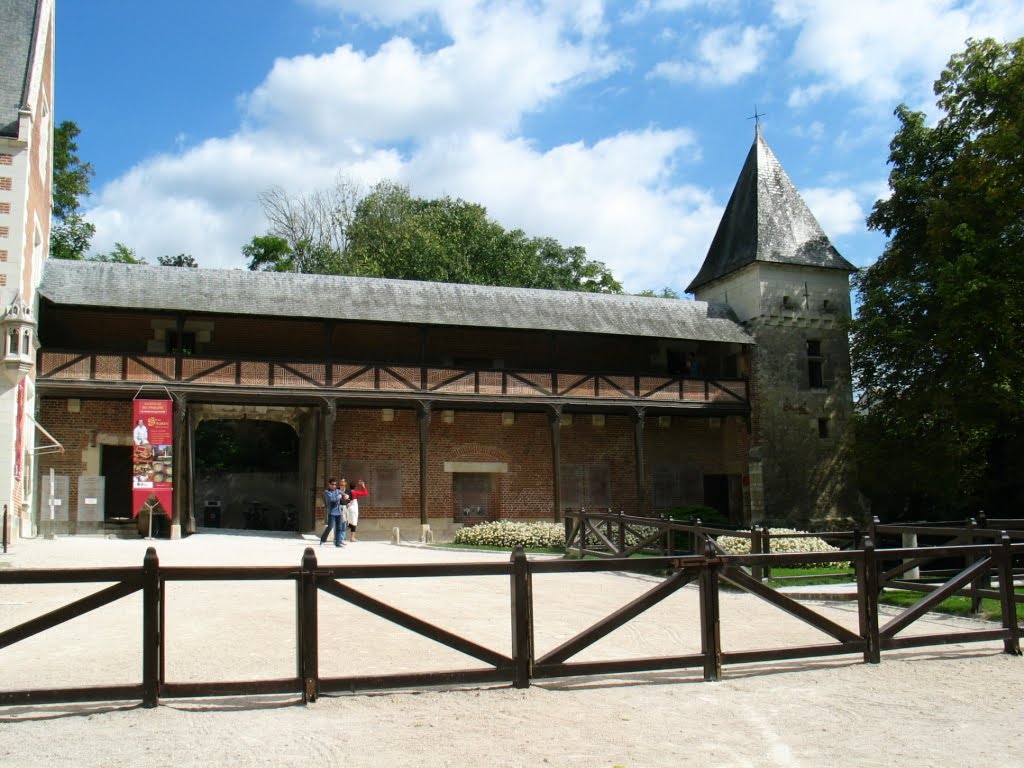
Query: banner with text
(152,459)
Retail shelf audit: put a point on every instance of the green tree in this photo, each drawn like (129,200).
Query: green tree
(393,234)
(70,233)
(181,260)
(121,254)
(938,344)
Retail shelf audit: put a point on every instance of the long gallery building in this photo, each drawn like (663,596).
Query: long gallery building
(456,403)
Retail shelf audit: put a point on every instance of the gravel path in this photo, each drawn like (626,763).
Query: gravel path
(942,706)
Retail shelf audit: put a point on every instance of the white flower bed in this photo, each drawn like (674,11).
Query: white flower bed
(737,545)
(506,533)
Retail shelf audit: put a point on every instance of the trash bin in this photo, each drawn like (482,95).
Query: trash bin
(211,514)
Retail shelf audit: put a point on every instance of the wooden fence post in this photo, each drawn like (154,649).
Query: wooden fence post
(1011,644)
(622,532)
(867,602)
(306,625)
(757,571)
(766,547)
(152,632)
(710,617)
(522,620)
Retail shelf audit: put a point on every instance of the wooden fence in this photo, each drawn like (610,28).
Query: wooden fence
(708,570)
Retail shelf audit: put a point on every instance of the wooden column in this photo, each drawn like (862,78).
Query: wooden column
(638,442)
(327,417)
(555,420)
(182,459)
(423,414)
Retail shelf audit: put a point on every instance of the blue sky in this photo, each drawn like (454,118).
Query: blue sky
(620,127)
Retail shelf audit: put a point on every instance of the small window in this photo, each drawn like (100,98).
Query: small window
(188,343)
(815,365)
(12,345)
(823,431)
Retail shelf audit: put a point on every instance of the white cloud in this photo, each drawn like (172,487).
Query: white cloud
(884,51)
(482,79)
(837,210)
(723,56)
(205,201)
(614,197)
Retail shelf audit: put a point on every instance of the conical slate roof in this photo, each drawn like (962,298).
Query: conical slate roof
(766,220)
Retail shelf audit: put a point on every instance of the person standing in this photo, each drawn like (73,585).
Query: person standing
(352,509)
(141,433)
(334,498)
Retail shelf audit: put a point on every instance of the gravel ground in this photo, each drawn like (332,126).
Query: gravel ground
(956,705)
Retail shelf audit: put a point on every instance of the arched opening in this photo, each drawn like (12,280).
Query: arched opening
(247,475)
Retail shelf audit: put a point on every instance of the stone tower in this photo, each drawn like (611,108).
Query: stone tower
(772,263)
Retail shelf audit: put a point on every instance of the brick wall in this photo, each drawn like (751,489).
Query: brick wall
(76,432)
(523,492)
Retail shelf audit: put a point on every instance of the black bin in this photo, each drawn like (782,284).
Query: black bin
(211,514)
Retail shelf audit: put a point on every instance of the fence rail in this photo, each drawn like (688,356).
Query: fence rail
(707,570)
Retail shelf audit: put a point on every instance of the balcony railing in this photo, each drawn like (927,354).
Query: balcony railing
(96,368)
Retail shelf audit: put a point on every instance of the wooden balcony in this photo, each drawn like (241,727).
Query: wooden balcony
(94,370)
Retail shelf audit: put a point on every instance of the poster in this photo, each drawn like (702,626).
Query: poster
(152,455)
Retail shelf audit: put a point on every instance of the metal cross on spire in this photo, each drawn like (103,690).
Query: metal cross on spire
(756,117)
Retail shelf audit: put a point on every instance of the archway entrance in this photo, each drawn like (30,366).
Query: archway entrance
(247,475)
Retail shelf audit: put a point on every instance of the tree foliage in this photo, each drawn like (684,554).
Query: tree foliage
(120,254)
(389,233)
(181,260)
(938,344)
(70,233)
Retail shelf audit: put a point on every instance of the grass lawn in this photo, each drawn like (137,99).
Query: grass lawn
(798,577)
(957,606)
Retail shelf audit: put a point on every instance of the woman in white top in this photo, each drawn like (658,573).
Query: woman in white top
(352,510)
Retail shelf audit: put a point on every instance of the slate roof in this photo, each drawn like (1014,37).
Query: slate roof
(766,220)
(17,28)
(270,294)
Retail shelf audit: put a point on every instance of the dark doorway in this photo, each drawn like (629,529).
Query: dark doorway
(116,468)
(472,494)
(716,494)
(248,471)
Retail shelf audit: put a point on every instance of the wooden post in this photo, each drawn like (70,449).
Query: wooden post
(756,571)
(638,446)
(152,640)
(867,602)
(522,620)
(555,422)
(424,423)
(971,560)
(766,547)
(1011,644)
(910,541)
(622,533)
(306,624)
(710,618)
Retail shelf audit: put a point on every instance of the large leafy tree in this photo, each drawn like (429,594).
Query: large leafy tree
(389,233)
(938,344)
(70,234)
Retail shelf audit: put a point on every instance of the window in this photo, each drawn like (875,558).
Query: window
(383,478)
(586,486)
(472,492)
(823,431)
(815,365)
(675,485)
(188,342)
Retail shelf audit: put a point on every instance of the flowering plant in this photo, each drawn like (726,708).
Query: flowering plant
(507,533)
(780,544)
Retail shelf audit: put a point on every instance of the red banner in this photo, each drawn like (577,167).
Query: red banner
(152,455)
